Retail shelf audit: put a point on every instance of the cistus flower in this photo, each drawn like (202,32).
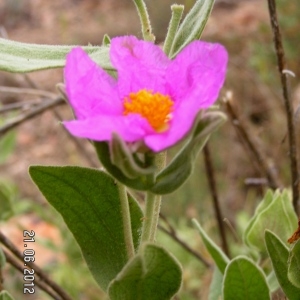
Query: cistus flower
(153,101)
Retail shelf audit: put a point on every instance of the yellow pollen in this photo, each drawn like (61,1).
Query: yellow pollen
(156,108)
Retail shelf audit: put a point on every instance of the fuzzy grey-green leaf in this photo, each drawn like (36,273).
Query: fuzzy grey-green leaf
(24,57)
(279,254)
(244,280)
(294,265)
(153,274)
(192,26)
(89,202)
(216,253)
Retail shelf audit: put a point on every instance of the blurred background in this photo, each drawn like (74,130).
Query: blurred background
(243,27)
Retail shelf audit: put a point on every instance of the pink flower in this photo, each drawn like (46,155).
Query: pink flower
(154,99)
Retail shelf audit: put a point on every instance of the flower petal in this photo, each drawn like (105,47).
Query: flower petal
(100,128)
(91,91)
(181,124)
(140,65)
(198,72)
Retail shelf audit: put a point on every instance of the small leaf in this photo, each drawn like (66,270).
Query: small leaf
(279,253)
(88,200)
(181,167)
(153,274)
(192,26)
(5,295)
(23,57)
(294,265)
(244,280)
(215,289)
(217,254)
(277,215)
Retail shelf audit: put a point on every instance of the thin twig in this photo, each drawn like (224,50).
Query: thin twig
(287,103)
(43,276)
(26,91)
(213,190)
(19,105)
(31,114)
(260,160)
(173,234)
(20,267)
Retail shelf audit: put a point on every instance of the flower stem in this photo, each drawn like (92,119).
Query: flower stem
(145,21)
(126,220)
(177,11)
(153,203)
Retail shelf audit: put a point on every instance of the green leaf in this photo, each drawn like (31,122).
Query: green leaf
(192,26)
(215,289)
(5,295)
(88,200)
(294,266)
(142,182)
(279,253)
(181,167)
(277,215)
(217,254)
(23,57)
(153,274)
(244,280)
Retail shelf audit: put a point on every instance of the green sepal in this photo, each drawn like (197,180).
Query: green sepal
(244,280)
(23,57)
(5,295)
(89,202)
(294,265)
(153,274)
(273,205)
(279,254)
(192,26)
(123,158)
(106,40)
(181,167)
(219,257)
(142,183)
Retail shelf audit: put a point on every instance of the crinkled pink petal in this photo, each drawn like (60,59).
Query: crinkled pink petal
(91,91)
(180,125)
(140,65)
(100,128)
(197,73)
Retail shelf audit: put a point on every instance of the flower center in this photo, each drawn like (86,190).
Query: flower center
(156,108)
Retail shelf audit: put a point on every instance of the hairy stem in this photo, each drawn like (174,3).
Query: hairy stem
(126,220)
(152,207)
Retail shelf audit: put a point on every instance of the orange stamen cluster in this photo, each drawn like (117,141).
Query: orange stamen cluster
(155,107)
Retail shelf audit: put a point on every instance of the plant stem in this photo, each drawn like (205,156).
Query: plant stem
(287,102)
(126,220)
(153,203)
(145,21)
(177,11)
